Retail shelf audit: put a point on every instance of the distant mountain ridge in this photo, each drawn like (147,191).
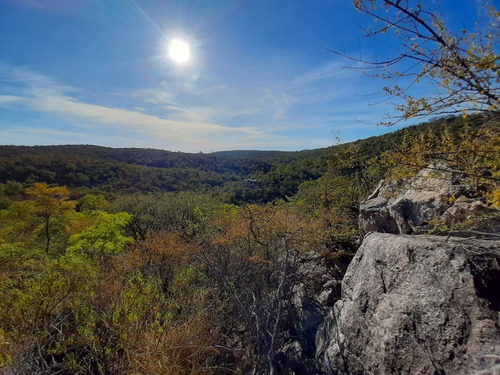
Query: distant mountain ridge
(129,170)
(156,157)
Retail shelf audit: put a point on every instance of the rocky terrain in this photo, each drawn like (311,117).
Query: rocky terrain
(411,304)
(416,305)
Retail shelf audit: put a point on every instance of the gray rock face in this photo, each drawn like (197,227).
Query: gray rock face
(315,289)
(318,280)
(416,305)
(407,206)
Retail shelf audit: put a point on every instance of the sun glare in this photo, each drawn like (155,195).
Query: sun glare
(178,51)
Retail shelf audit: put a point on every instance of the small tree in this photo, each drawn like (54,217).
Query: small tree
(251,254)
(463,67)
(49,204)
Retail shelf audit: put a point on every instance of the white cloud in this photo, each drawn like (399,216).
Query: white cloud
(329,70)
(182,135)
(204,113)
(281,103)
(188,101)
(201,116)
(185,130)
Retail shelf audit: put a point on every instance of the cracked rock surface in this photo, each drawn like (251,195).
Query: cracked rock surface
(416,305)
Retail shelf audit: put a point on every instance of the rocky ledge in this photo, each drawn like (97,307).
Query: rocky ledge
(420,303)
(416,305)
(435,200)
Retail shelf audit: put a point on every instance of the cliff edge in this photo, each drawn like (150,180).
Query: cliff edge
(418,304)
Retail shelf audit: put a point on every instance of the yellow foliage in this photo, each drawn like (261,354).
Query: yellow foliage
(494,197)
(50,200)
(475,153)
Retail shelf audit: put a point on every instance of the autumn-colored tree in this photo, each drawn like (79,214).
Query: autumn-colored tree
(463,67)
(250,254)
(49,204)
(100,306)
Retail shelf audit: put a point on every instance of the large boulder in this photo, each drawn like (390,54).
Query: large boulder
(437,197)
(416,305)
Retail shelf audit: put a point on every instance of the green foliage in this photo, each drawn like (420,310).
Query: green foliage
(16,258)
(96,306)
(137,307)
(105,236)
(4,202)
(40,300)
(45,301)
(177,212)
(234,177)
(92,202)
(331,203)
(202,273)
(12,188)
(474,152)
(17,222)
(142,171)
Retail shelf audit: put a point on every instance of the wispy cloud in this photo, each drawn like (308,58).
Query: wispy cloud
(167,92)
(281,102)
(207,115)
(135,121)
(190,102)
(319,74)
(38,93)
(10,99)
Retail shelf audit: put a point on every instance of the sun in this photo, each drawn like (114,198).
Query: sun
(179,51)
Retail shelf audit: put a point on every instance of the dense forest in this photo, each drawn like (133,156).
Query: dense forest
(237,176)
(137,261)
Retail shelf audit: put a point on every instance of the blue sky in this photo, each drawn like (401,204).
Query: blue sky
(97,72)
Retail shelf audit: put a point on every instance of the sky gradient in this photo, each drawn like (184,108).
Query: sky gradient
(259,77)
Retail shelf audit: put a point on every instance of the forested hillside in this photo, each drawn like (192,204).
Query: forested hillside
(124,261)
(240,176)
(379,256)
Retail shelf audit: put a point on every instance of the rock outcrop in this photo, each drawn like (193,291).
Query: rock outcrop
(436,197)
(416,305)
(419,304)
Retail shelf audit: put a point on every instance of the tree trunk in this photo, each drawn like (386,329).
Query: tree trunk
(47,235)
